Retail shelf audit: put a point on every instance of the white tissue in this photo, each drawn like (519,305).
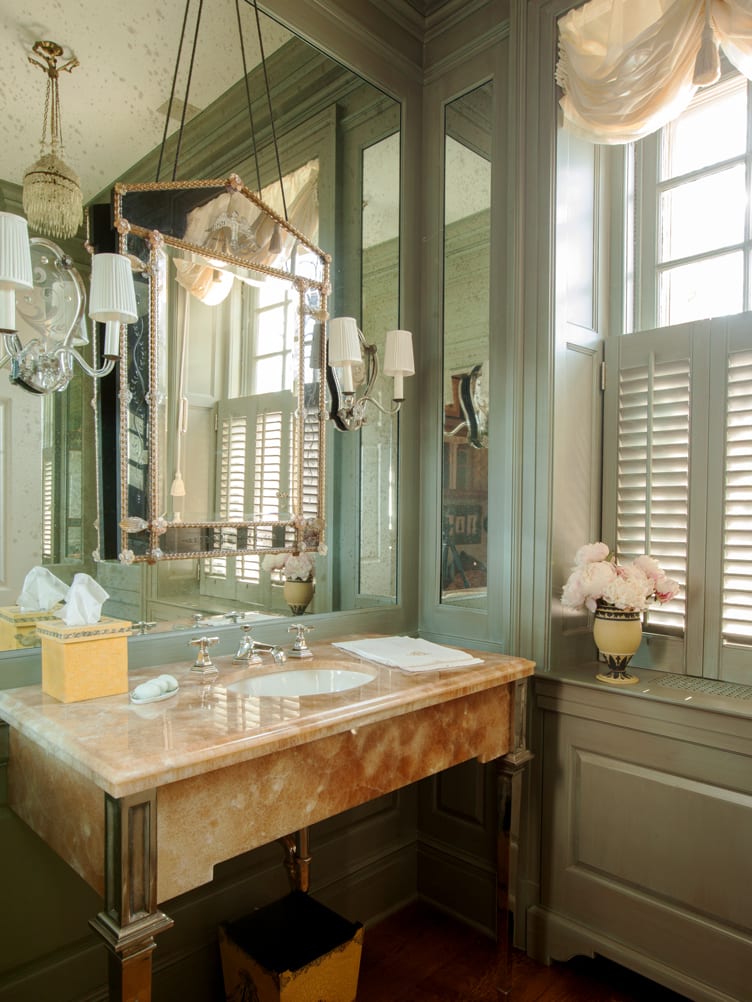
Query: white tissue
(41,590)
(84,602)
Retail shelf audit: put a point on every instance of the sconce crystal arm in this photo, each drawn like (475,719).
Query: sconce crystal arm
(105,370)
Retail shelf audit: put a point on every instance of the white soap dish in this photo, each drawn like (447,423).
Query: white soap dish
(152,699)
(154,690)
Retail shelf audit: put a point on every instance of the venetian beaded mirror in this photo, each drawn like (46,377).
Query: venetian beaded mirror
(222,408)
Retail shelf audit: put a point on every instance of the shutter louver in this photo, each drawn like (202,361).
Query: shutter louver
(737,507)
(231,499)
(271,469)
(311,506)
(48,506)
(653,475)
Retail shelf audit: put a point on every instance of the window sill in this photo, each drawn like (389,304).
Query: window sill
(660,687)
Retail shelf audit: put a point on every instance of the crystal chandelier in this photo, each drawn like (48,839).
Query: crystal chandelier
(52,197)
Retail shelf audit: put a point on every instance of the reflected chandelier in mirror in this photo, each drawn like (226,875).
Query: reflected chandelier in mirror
(222,404)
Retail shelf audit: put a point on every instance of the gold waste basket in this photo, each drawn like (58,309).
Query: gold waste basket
(293,950)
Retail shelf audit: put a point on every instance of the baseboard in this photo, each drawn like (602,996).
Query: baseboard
(551,936)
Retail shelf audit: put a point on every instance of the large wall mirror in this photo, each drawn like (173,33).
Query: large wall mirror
(332,122)
(466,308)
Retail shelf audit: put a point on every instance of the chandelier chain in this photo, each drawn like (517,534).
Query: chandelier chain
(168,114)
(248,95)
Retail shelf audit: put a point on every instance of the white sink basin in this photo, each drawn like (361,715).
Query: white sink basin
(302,682)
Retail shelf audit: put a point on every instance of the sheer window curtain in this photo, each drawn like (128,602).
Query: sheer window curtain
(627,67)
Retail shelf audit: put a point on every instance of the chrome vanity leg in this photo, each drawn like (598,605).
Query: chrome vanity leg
(510,769)
(130,919)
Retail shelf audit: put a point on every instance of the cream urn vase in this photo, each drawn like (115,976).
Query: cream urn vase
(298,595)
(617,634)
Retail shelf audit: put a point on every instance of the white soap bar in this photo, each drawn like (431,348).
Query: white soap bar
(168,682)
(147,690)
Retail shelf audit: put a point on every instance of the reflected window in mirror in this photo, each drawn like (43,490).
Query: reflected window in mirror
(466,312)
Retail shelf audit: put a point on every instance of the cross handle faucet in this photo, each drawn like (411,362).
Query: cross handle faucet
(300,648)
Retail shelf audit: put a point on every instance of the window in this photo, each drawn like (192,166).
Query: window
(678,401)
(692,186)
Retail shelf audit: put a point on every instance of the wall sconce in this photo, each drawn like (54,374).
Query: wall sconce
(347,370)
(42,304)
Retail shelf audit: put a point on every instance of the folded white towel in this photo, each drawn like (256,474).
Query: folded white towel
(408,653)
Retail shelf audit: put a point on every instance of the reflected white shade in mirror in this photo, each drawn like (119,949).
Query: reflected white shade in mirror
(398,360)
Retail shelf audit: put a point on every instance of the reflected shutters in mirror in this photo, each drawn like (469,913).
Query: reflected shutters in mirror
(467,208)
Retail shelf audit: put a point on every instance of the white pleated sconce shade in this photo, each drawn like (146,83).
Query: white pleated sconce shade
(398,359)
(15,266)
(344,348)
(112,300)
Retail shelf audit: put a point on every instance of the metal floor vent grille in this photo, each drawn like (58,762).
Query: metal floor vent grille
(708,686)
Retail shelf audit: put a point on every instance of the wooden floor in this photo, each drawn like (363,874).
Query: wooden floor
(422,955)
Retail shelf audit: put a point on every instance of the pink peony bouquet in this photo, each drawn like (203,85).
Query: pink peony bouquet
(292,566)
(597,578)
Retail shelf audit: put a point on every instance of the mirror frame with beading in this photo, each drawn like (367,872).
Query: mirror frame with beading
(260,535)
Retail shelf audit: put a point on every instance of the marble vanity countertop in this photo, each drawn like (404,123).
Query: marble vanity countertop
(122,747)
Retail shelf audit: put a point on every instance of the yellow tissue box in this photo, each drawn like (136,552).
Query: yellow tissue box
(84,662)
(19,629)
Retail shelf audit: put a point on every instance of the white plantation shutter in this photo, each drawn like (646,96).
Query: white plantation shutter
(736,614)
(253,471)
(233,443)
(678,412)
(233,436)
(273,428)
(653,473)
(648,394)
(312,503)
(48,506)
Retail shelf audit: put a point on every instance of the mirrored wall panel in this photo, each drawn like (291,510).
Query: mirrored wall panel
(467,207)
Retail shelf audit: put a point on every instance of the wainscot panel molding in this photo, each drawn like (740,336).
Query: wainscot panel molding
(457,809)
(646,824)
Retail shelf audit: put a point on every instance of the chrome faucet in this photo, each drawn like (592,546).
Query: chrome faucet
(300,648)
(249,652)
(203,665)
